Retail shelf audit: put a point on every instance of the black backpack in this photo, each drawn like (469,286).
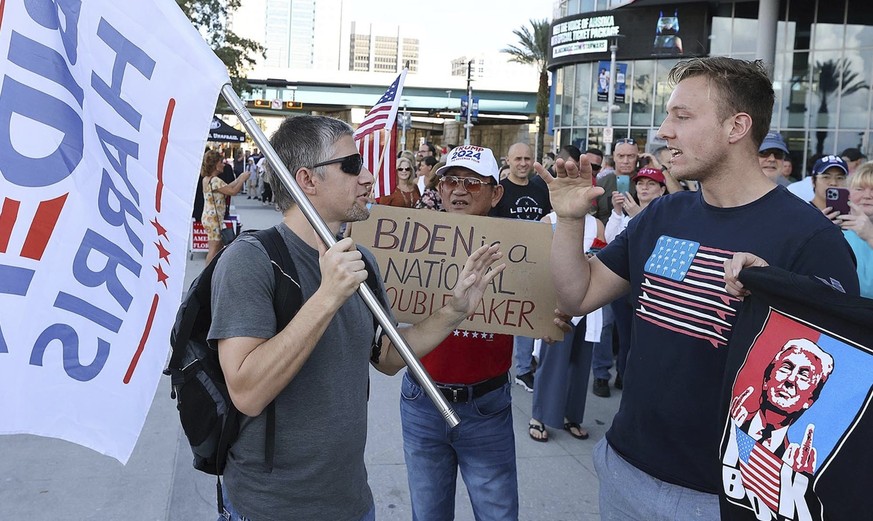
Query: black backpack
(208,416)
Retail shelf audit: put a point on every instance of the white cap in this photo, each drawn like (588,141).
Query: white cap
(478,159)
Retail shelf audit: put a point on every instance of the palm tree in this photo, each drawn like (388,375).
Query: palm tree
(834,76)
(533,49)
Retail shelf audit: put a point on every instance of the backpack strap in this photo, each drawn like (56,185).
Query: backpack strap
(180,335)
(373,283)
(287,300)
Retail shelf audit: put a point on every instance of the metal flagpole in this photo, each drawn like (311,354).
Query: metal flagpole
(325,234)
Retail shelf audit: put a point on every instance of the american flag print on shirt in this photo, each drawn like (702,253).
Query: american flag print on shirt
(683,290)
(760,469)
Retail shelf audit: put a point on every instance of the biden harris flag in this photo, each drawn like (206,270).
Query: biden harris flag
(105,108)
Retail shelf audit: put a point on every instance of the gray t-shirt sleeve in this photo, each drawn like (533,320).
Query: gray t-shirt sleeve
(242,293)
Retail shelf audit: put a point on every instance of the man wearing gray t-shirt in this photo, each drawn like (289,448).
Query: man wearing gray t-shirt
(315,368)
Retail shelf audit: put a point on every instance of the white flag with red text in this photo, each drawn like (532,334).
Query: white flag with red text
(104,122)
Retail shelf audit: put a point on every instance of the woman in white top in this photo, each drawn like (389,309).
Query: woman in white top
(561,385)
(650,185)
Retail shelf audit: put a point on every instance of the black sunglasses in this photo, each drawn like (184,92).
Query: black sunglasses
(348,164)
(471,184)
(404,169)
(627,140)
(778,154)
(595,167)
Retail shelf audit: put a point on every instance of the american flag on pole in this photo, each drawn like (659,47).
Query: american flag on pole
(683,290)
(760,469)
(376,138)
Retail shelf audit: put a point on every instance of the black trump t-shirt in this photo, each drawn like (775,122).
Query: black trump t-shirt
(796,418)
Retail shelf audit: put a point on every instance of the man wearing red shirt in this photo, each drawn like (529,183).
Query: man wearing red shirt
(470,368)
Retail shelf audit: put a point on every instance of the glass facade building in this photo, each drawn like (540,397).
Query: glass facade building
(823,77)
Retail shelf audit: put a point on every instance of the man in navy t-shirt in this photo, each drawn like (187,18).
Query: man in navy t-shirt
(679,261)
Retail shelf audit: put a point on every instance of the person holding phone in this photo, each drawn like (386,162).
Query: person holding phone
(626,153)
(650,184)
(828,172)
(857,225)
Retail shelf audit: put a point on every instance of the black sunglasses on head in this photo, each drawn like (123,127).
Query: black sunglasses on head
(348,164)
(627,140)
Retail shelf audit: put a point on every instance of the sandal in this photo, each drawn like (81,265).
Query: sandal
(544,434)
(582,433)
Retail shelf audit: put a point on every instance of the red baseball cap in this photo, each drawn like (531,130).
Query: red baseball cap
(652,173)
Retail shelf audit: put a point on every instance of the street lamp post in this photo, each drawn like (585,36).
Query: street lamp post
(404,121)
(610,99)
(469,124)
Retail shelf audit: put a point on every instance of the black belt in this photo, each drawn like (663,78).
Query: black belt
(465,393)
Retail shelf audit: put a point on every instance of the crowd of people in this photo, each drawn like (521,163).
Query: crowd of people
(719,184)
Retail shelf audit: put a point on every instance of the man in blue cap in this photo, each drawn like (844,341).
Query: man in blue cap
(772,155)
(828,172)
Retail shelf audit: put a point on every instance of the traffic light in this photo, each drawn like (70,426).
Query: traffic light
(291,105)
(261,103)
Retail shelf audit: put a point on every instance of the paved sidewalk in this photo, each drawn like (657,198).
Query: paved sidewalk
(44,479)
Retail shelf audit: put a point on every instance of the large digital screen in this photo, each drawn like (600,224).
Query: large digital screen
(670,31)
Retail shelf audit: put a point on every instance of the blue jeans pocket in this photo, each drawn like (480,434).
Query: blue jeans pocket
(493,403)
(410,390)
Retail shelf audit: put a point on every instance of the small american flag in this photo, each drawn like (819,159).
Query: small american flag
(683,290)
(376,138)
(760,469)
(384,112)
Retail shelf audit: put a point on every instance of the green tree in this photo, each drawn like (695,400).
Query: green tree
(211,17)
(533,49)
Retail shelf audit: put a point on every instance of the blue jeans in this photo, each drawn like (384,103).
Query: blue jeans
(523,347)
(628,494)
(601,359)
(482,446)
(230,513)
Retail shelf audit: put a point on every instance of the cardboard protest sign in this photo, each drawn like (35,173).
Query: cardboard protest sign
(421,255)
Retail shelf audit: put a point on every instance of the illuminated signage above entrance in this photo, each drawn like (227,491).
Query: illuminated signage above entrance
(670,31)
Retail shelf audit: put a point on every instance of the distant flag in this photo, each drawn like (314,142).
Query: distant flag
(104,126)
(376,138)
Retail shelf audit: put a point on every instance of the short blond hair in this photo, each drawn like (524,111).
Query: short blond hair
(862,177)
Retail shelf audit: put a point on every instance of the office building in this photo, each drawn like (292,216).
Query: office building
(381,49)
(820,53)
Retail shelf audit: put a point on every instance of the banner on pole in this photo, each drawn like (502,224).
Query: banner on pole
(104,124)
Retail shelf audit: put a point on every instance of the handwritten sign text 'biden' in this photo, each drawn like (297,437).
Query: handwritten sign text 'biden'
(421,254)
